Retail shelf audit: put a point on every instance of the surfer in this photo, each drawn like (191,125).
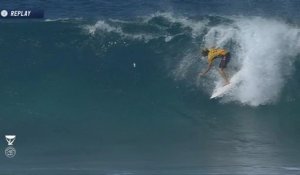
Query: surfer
(214,53)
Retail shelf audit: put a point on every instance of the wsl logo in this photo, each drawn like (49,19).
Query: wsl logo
(10,151)
(21,13)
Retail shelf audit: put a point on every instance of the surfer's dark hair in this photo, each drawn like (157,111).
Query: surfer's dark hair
(205,52)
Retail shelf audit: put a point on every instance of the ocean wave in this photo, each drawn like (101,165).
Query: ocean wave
(155,21)
(263,50)
(103,26)
(62,19)
(196,27)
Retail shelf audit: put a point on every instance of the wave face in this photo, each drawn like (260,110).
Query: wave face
(264,50)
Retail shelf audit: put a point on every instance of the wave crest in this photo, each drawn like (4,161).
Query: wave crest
(263,50)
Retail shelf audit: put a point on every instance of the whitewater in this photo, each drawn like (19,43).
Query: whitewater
(263,52)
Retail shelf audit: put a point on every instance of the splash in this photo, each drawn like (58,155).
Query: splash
(265,52)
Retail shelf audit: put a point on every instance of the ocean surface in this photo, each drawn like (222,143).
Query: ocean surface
(112,87)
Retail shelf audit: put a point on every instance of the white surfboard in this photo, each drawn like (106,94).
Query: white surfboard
(221,91)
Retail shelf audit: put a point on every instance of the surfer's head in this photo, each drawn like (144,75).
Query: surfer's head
(204,52)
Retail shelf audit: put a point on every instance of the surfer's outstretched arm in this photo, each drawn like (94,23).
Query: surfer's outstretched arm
(208,68)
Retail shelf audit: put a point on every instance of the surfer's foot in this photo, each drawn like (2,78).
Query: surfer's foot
(226,83)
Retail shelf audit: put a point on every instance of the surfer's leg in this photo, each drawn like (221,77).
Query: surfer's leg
(222,66)
(224,76)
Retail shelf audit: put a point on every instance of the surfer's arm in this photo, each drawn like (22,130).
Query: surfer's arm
(208,68)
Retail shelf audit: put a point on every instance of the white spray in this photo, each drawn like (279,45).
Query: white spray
(264,54)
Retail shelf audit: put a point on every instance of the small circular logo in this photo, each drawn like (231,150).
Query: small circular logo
(10,152)
(4,13)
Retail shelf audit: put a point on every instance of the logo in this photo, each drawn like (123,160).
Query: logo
(4,13)
(10,139)
(10,151)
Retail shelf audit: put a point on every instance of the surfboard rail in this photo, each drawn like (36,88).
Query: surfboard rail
(221,91)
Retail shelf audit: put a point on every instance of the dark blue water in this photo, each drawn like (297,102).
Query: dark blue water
(132,8)
(112,87)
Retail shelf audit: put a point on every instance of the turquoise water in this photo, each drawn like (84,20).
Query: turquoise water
(114,94)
